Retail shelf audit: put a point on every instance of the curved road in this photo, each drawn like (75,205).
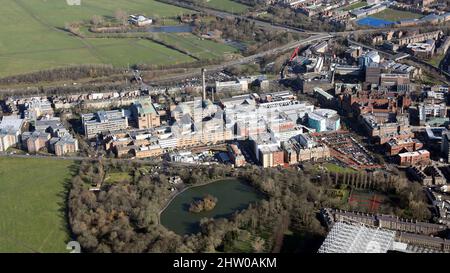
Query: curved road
(246,60)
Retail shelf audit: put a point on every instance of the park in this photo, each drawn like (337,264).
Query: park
(40,40)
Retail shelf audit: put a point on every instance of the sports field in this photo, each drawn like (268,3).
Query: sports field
(32,196)
(355,6)
(367,200)
(227,5)
(36,38)
(200,48)
(395,15)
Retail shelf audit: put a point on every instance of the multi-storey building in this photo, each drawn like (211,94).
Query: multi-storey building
(37,107)
(103,121)
(383,221)
(145,114)
(10,129)
(413,158)
(398,145)
(236,156)
(64,145)
(35,141)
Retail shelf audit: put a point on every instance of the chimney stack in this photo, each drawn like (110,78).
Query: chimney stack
(204,83)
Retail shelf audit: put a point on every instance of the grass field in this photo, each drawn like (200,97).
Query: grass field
(436,60)
(395,15)
(117,52)
(112,178)
(200,48)
(32,195)
(338,169)
(227,5)
(37,40)
(355,6)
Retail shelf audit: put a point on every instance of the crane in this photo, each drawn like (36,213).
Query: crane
(288,62)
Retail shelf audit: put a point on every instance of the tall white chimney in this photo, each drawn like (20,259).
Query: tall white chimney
(204,83)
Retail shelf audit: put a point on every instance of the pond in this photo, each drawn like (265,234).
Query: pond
(373,22)
(232,194)
(172,29)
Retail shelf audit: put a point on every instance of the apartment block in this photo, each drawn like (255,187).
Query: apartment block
(10,129)
(145,114)
(413,158)
(103,121)
(35,141)
(236,155)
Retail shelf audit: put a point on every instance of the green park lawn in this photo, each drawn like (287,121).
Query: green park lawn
(117,52)
(115,177)
(38,40)
(338,169)
(355,6)
(436,60)
(227,5)
(32,198)
(200,48)
(395,15)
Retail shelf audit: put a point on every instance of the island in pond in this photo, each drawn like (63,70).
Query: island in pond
(207,203)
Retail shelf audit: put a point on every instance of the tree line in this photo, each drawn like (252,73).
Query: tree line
(123,216)
(242,30)
(64,73)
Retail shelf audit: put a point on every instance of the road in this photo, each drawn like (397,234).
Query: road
(244,60)
(371,47)
(80,158)
(411,58)
(316,36)
(265,24)
(224,14)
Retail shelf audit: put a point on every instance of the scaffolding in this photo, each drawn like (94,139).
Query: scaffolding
(355,237)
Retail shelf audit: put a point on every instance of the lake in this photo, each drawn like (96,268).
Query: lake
(232,194)
(373,22)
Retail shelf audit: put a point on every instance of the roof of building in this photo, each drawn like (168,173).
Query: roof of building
(145,107)
(11,124)
(416,153)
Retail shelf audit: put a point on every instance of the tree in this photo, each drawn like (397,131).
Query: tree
(121,16)
(258,244)
(97,20)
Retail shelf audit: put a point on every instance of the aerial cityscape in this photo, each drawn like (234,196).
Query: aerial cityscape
(225,126)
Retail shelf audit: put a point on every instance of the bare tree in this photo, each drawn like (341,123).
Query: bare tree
(121,16)
(97,20)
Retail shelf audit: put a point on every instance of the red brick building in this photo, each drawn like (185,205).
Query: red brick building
(398,145)
(413,158)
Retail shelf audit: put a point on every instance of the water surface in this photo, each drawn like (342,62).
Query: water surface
(233,195)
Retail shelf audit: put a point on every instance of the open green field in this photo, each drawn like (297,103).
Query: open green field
(355,6)
(115,177)
(37,41)
(32,193)
(338,169)
(117,52)
(227,5)
(436,60)
(200,48)
(395,15)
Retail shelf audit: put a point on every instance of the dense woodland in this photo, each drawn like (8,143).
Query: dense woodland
(123,216)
